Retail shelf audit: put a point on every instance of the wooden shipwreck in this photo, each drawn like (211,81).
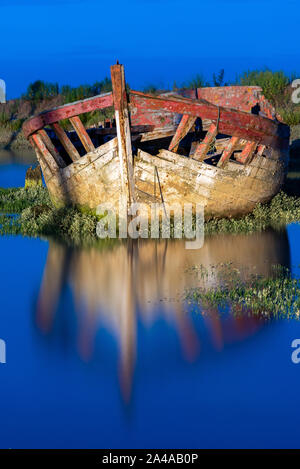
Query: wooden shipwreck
(220,147)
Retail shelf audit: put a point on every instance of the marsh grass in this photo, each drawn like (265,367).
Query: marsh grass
(272,83)
(290,114)
(14,200)
(282,209)
(270,297)
(39,217)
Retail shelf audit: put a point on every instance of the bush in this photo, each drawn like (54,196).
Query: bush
(273,84)
(290,115)
(197,81)
(40,90)
(72,94)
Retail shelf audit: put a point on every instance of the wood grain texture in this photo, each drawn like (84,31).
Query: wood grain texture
(123,132)
(65,141)
(82,133)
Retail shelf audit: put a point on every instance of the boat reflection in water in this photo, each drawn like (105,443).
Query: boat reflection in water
(145,281)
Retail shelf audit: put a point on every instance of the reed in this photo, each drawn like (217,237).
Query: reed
(269,297)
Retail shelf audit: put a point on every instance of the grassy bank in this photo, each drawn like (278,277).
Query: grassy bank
(35,215)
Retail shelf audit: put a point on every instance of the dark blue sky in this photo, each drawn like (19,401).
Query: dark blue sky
(75,41)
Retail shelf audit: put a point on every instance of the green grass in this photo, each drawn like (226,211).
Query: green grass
(282,209)
(269,297)
(39,217)
(14,200)
(272,83)
(290,115)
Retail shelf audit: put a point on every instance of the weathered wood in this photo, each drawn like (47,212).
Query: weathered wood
(247,153)
(107,172)
(223,192)
(260,149)
(156,134)
(183,128)
(231,122)
(43,150)
(47,141)
(65,141)
(141,133)
(65,112)
(123,132)
(82,133)
(232,145)
(244,98)
(204,146)
(135,129)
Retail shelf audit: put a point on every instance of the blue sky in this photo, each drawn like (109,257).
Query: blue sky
(74,41)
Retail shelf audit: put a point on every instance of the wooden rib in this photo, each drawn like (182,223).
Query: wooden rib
(123,132)
(183,128)
(247,153)
(43,150)
(203,147)
(82,134)
(231,122)
(228,151)
(65,141)
(260,149)
(47,141)
(65,112)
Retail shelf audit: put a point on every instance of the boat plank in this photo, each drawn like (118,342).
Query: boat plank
(231,147)
(65,112)
(65,141)
(55,154)
(123,132)
(49,160)
(182,130)
(203,147)
(230,121)
(82,133)
(247,153)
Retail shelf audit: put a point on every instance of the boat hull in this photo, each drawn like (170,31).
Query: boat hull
(171,178)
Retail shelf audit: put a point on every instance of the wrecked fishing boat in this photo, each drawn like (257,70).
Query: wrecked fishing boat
(220,147)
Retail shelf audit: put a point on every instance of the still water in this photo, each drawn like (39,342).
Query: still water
(104,352)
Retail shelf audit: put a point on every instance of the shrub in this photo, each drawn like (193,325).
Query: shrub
(273,84)
(197,81)
(40,90)
(290,115)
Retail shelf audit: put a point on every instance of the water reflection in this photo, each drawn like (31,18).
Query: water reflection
(25,156)
(145,281)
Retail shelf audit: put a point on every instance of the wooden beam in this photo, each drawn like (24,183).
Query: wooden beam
(231,147)
(65,112)
(123,132)
(231,122)
(44,152)
(247,153)
(65,141)
(204,146)
(183,128)
(47,141)
(82,134)
(260,149)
